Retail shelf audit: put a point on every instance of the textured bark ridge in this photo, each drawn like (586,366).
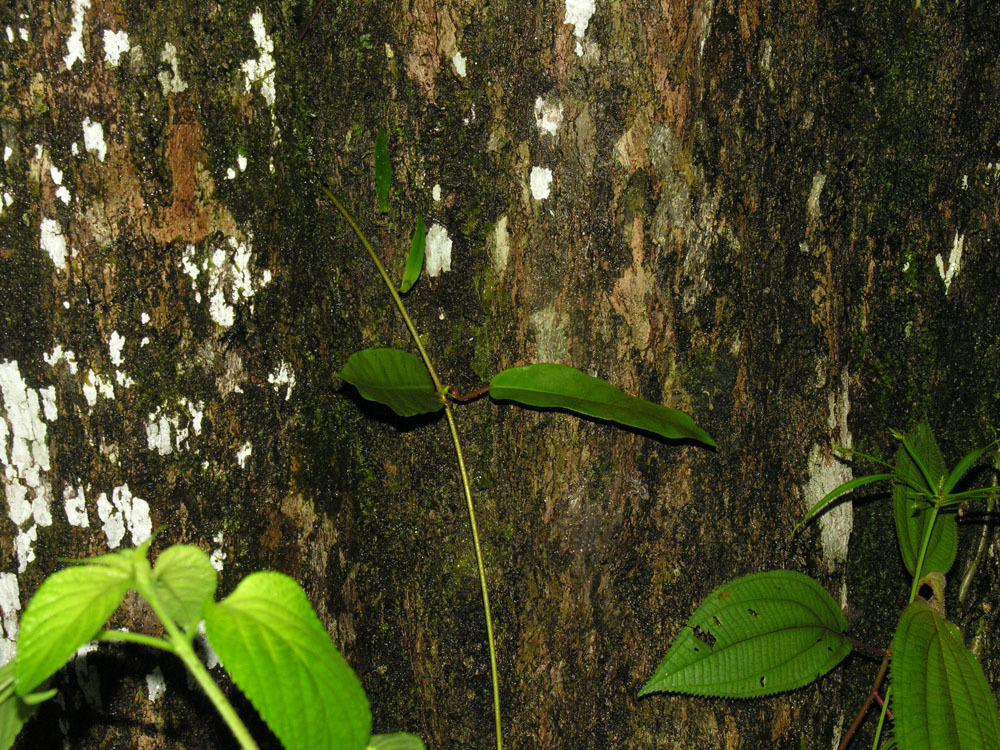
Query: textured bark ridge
(779,217)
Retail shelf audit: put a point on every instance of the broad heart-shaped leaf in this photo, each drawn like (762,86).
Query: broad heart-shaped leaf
(561,387)
(69,609)
(185,581)
(383,170)
(394,378)
(911,513)
(276,650)
(415,260)
(940,696)
(397,741)
(756,635)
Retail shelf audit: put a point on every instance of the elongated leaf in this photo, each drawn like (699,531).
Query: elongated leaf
(276,650)
(394,378)
(186,581)
(843,489)
(562,387)
(415,260)
(911,511)
(383,170)
(963,466)
(940,696)
(69,609)
(397,741)
(756,635)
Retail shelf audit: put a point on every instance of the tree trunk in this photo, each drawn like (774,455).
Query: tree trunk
(780,217)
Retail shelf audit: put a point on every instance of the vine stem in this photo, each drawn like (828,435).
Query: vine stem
(466,488)
(181,645)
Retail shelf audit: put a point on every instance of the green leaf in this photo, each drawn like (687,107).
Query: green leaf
(843,489)
(963,466)
(756,635)
(69,609)
(185,581)
(911,510)
(383,170)
(415,260)
(15,710)
(397,741)
(394,378)
(940,695)
(276,650)
(561,387)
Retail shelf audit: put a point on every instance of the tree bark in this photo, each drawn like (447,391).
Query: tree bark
(780,217)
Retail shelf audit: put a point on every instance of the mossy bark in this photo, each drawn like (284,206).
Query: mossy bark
(778,216)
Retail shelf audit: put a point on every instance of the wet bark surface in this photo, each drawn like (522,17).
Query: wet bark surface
(780,217)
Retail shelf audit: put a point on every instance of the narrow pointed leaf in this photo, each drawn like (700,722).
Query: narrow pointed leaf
(757,635)
(397,741)
(186,582)
(273,645)
(69,609)
(383,170)
(415,260)
(963,466)
(940,695)
(843,489)
(561,387)
(394,378)
(911,512)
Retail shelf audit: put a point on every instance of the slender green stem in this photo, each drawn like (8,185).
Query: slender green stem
(140,638)
(984,536)
(466,488)
(182,647)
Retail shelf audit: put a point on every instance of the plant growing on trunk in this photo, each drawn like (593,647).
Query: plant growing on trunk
(410,386)
(780,630)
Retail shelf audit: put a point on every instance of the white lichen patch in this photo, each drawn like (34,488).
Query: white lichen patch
(58,355)
(954,261)
(10,606)
(548,115)
(170,80)
(93,138)
(24,453)
(812,205)
(74,44)
(229,280)
(95,385)
(282,376)
(578,14)
(115,45)
(261,69)
(155,684)
(436,193)
(115,345)
(826,472)
(541,183)
(499,244)
(167,432)
(75,505)
(124,513)
(438,250)
(218,556)
(458,60)
(243,453)
(53,242)
(61,192)
(551,344)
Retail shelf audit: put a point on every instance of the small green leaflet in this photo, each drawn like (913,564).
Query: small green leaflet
(561,387)
(940,695)
(14,710)
(69,609)
(415,260)
(912,513)
(273,645)
(185,581)
(394,378)
(397,741)
(754,636)
(383,170)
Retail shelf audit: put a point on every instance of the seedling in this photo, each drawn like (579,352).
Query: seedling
(780,630)
(265,633)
